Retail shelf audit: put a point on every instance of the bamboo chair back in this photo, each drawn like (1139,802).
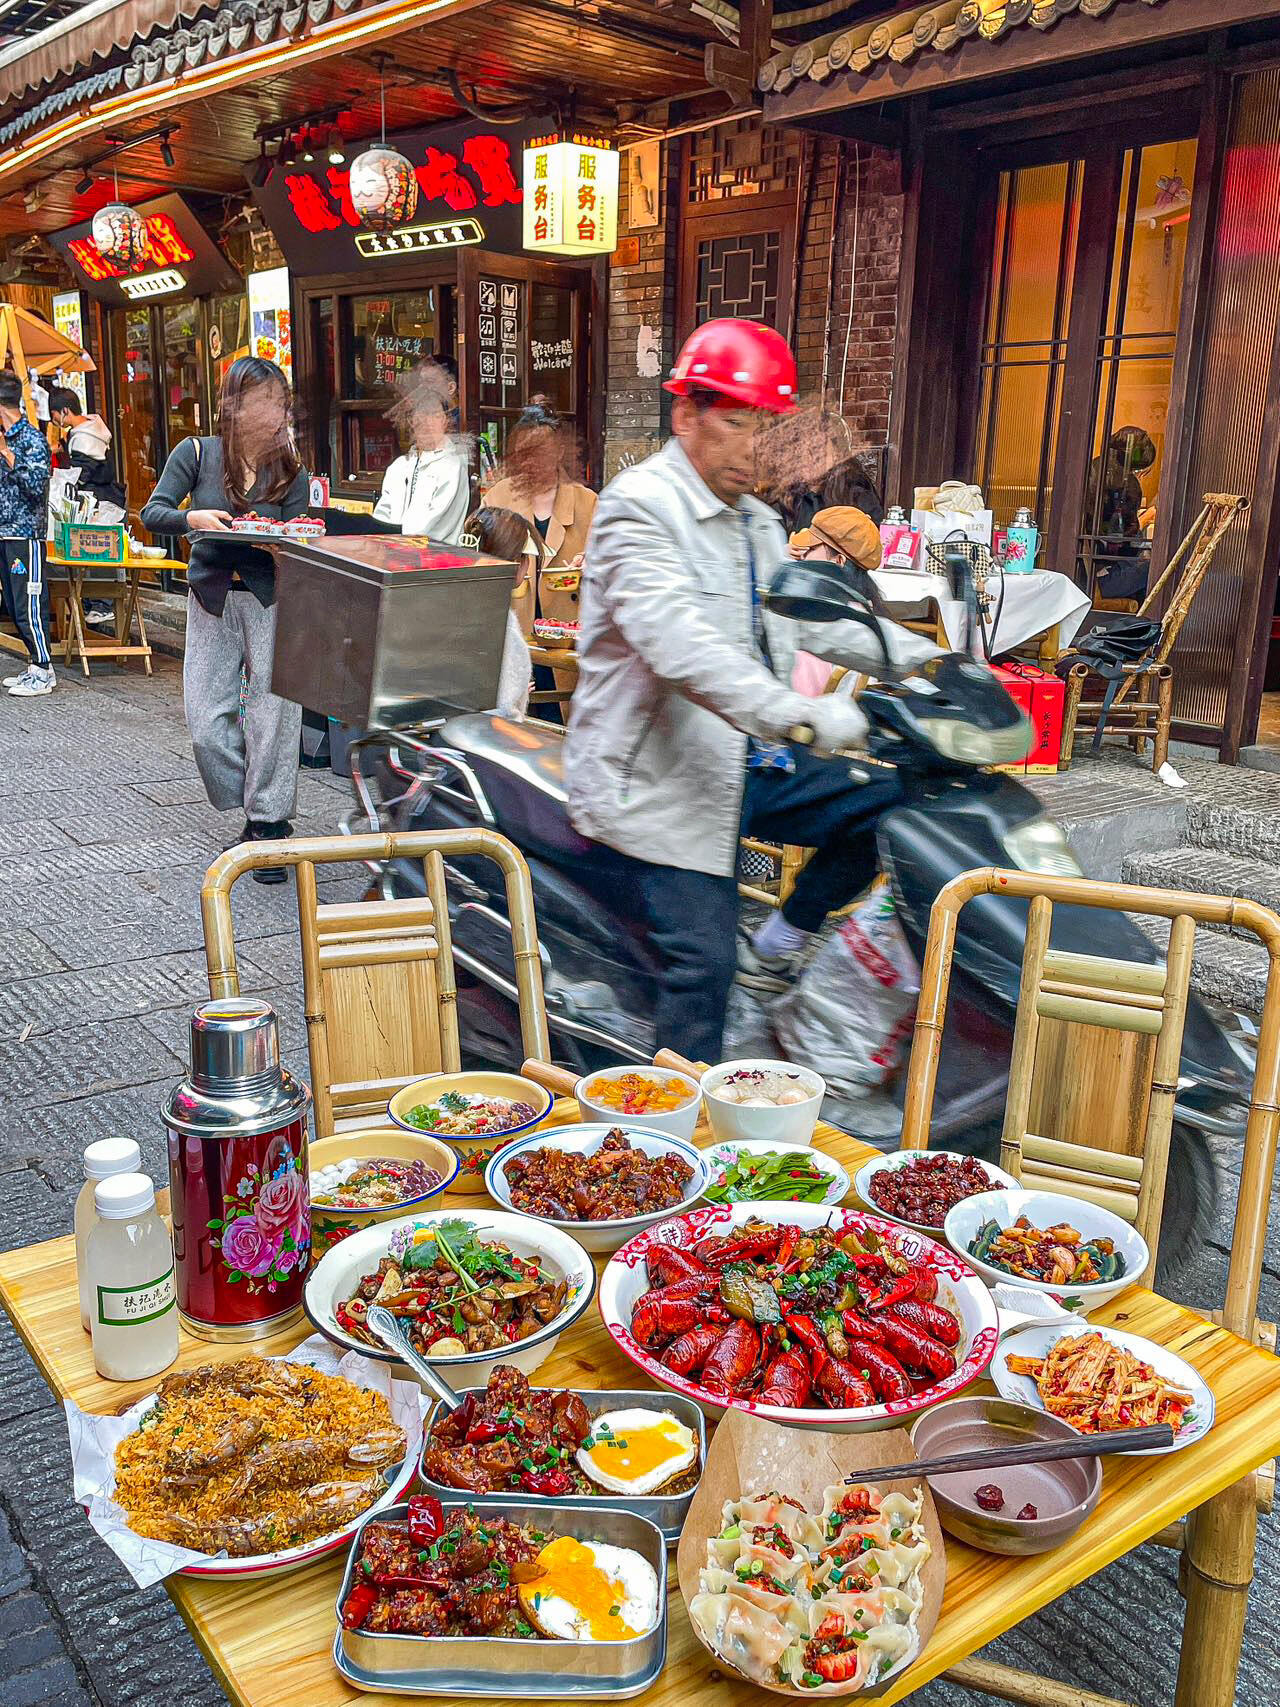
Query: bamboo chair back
(1196,550)
(378,979)
(1095,991)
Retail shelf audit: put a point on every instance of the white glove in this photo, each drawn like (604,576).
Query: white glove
(836,722)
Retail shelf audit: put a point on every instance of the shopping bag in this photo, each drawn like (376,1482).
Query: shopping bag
(853,1009)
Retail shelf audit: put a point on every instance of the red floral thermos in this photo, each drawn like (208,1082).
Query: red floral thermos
(238,1177)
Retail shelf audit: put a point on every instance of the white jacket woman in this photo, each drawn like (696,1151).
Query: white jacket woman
(428,492)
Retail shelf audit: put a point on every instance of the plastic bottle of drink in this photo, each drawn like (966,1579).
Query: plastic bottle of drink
(130,1281)
(108,1156)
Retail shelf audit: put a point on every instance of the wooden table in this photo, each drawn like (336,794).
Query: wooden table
(80,639)
(270,1644)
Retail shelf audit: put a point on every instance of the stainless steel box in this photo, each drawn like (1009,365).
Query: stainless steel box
(510,1667)
(383,630)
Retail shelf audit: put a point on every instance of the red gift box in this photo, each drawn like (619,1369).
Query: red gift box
(1040,696)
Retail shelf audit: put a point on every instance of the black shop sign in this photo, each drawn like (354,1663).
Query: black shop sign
(470,192)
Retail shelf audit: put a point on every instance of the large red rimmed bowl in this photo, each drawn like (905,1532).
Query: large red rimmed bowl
(959,1290)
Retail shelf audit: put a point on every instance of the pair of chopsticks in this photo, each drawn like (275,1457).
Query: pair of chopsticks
(1149,1439)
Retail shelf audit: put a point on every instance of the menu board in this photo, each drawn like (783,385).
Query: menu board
(500,337)
(68,318)
(395,356)
(271,319)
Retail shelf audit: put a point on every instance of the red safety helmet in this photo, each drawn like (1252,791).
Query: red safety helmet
(742,359)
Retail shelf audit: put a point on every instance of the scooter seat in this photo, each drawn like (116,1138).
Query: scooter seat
(520,768)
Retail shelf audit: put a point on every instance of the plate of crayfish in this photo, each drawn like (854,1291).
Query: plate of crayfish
(809,1315)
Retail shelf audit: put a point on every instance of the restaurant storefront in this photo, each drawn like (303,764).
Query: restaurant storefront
(453,284)
(167,332)
(1087,290)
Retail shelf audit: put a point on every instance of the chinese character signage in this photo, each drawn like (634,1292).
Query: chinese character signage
(176,246)
(570,195)
(68,318)
(469,192)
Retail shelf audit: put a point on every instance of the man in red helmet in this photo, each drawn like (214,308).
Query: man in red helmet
(678,733)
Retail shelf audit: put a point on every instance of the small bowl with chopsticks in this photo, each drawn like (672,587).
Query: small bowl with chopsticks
(760,1170)
(1056,1495)
(984,1231)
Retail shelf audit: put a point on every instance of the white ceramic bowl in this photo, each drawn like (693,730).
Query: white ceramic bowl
(680,1122)
(959,1290)
(599,1235)
(792,1124)
(339,1272)
(1037,1342)
(473,1153)
(902,1158)
(721,1156)
(1048,1209)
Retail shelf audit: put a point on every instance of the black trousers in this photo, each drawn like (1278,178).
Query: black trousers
(25,594)
(692,916)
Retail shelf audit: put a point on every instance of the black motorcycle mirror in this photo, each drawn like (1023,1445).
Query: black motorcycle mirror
(805,594)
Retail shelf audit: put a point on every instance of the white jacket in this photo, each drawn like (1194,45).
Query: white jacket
(92,438)
(669,683)
(428,492)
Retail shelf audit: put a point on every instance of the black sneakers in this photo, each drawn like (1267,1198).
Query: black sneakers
(273,830)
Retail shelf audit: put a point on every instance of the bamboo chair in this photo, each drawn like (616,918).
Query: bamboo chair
(1147,715)
(1105,996)
(378,979)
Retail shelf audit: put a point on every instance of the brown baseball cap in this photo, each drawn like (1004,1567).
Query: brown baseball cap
(845,529)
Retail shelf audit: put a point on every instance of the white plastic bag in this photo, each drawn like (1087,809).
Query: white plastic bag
(851,1013)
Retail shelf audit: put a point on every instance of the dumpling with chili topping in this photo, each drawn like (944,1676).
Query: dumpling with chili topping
(636,1451)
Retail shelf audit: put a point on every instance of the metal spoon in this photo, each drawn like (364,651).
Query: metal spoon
(384,1326)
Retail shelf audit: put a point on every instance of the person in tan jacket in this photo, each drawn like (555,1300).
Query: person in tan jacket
(536,484)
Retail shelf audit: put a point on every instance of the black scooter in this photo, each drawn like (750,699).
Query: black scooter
(938,723)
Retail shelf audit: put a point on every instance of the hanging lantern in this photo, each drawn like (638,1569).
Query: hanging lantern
(120,234)
(383,188)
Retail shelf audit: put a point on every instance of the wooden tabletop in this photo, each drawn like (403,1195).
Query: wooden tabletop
(270,1644)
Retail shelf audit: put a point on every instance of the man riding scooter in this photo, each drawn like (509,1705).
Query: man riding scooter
(682,735)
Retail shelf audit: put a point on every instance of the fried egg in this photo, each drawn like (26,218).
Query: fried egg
(591,1592)
(636,1451)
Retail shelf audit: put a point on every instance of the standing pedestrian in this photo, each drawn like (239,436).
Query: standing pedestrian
(250,465)
(428,490)
(25,462)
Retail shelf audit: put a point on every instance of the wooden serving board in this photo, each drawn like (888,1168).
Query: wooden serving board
(750,1454)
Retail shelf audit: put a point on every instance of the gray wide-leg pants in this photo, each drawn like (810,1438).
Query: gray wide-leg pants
(256,767)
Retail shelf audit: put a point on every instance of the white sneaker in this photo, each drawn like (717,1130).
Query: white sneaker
(766,974)
(12,681)
(34,684)
(100,618)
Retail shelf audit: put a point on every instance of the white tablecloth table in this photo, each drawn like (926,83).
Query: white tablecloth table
(1033,604)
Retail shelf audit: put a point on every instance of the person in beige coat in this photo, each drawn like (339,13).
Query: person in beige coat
(536,484)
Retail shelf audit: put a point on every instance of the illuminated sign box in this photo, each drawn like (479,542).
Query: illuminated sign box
(153,284)
(177,246)
(419,239)
(570,195)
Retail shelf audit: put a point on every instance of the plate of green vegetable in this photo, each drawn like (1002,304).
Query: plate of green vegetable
(759,1170)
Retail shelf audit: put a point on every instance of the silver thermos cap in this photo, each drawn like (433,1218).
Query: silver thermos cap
(234,1042)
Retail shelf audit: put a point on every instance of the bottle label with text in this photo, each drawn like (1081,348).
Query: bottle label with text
(127,1306)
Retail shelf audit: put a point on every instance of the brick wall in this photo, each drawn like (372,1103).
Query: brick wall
(846,293)
(641,331)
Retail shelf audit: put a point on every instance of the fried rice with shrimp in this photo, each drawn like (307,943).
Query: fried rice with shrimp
(255,1456)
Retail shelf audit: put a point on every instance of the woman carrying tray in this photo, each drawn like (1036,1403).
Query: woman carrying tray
(251,464)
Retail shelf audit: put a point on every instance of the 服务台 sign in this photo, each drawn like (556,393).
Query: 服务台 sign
(469,192)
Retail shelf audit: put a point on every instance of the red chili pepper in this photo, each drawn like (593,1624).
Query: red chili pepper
(554,1482)
(900,1290)
(484,1430)
(424,1579)
(868,1262)
(426,1519)
(807,1331)
(359,1604)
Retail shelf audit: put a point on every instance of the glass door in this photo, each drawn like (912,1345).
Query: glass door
(1075,364)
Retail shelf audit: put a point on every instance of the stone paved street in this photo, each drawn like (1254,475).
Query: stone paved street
(104,834)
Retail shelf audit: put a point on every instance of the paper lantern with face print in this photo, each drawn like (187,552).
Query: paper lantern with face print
(383,188)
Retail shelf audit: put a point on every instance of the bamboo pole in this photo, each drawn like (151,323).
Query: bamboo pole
(446,972)
(313,1000)
(1007,1683)
(1164,1081)
(1026,1029)
(1218,1568)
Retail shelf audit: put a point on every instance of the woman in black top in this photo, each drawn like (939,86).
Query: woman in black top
(251,465)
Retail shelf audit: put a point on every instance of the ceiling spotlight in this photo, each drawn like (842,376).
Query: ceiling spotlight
(336,152)
(308,152)
(262,171)
(288,151)
(166,151)
(84,184)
